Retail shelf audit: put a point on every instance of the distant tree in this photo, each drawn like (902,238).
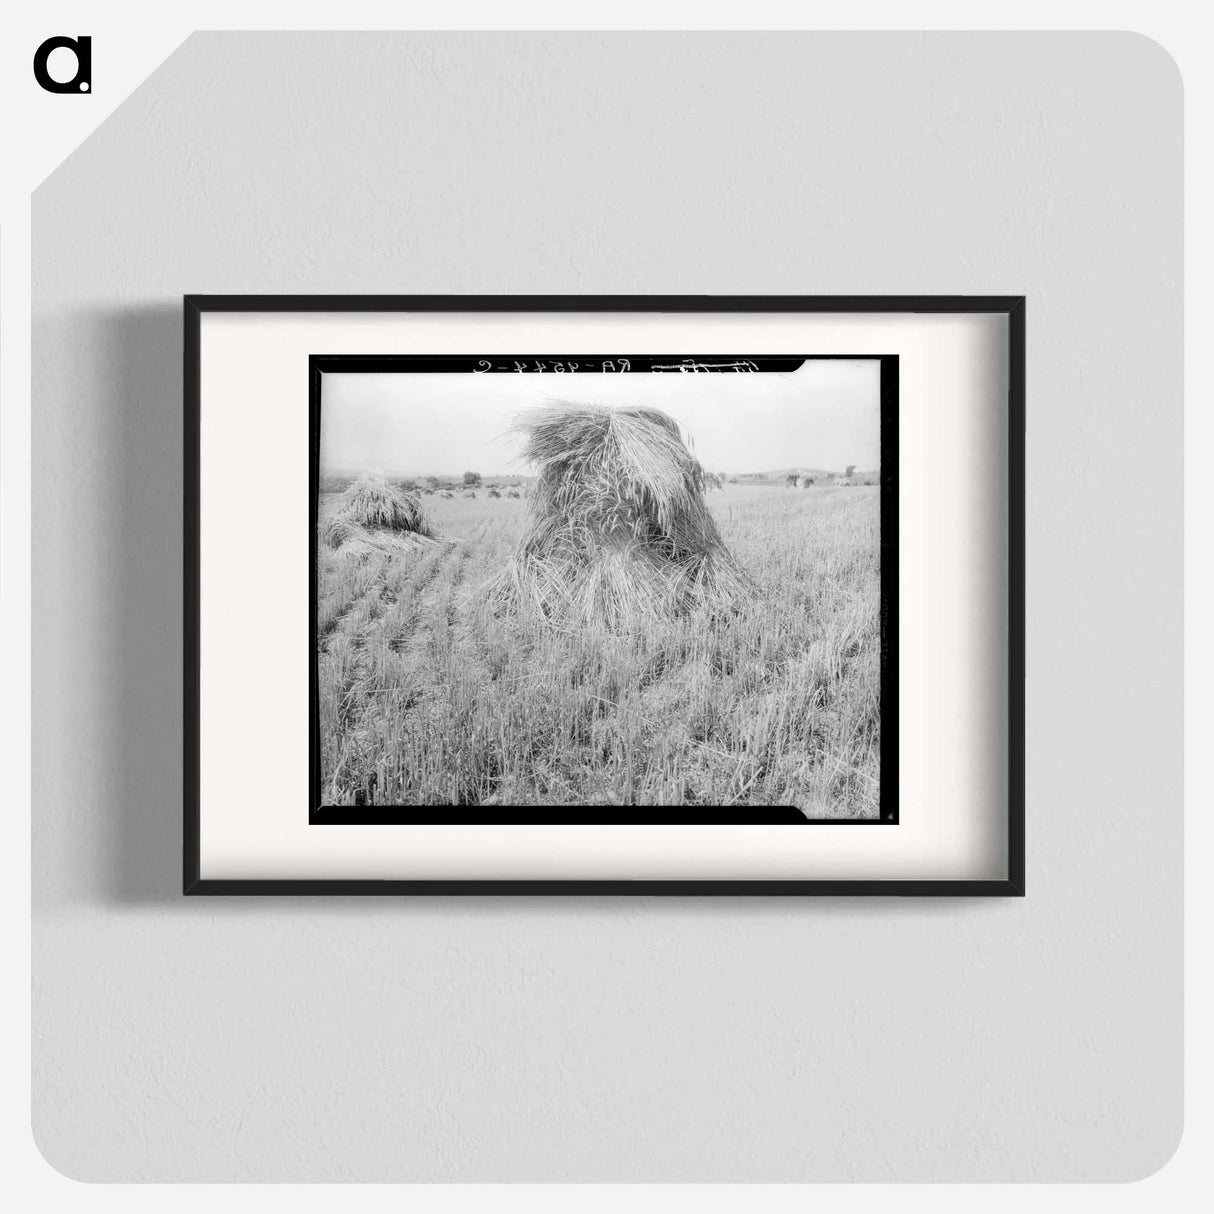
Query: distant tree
(805,484)
(432,482)
(849,470)
(408,484)
(472,478)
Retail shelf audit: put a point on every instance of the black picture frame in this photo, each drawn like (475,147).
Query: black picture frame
(1011,306)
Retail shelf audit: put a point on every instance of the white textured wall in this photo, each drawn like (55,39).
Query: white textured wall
(624,1039)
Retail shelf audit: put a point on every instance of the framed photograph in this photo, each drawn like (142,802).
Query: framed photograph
(682,595)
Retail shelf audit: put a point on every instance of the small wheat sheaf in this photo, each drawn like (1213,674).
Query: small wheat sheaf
(374,514)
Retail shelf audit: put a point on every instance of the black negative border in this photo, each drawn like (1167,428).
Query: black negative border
(1011,306)
(320,814)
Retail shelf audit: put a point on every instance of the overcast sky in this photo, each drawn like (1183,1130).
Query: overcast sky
(826,414)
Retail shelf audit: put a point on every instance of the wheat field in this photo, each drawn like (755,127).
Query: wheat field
(429,698)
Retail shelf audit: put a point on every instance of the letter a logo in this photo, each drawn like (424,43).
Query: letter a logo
(82,81)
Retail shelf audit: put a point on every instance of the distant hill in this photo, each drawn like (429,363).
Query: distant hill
(501,478)
(779,476)
(781,473)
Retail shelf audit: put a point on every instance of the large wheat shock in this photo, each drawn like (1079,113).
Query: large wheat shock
(618,528)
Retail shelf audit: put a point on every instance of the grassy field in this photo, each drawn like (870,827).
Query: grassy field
(427,698)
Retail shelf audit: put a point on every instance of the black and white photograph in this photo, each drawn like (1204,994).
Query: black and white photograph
(639,588)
